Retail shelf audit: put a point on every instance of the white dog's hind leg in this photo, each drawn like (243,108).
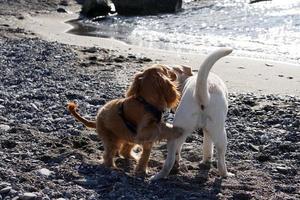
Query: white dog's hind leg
(207,148)
(221,146)
(220,140)
(173,147)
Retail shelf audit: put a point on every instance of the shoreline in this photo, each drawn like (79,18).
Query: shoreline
(241,75)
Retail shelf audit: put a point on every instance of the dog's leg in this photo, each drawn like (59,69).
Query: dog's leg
(221,146)
(207,148)
(219,138)
(141,168)
(126,151)
(111,147)
(177,165)
(173,147)
(110,150)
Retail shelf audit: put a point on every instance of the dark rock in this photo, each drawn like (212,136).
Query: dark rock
(263,157)
(93,58)
(9,144)
(146,7)
(242,196)
(90,50)
(94,8)
(61,10)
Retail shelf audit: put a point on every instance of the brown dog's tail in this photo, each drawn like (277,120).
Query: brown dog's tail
(72,108)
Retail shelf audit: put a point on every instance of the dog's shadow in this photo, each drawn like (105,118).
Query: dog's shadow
(105,181)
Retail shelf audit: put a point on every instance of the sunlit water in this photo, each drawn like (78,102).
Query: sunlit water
(267,30)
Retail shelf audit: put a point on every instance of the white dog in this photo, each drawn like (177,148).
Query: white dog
(203,105)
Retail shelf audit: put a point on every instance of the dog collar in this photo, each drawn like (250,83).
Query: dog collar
(150,108)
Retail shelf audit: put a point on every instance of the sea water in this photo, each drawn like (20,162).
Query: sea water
(264,30)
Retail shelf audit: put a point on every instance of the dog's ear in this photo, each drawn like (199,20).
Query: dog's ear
(187,70)
(169,91)
(134,88)
(172,75)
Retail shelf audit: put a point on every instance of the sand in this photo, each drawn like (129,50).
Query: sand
(241,75)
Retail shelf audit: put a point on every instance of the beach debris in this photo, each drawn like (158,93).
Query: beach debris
(269,65)
(90,50)
(257,1)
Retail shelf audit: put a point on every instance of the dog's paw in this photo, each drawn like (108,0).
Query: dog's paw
(140,172)
(229,174)
(226,174)
(156,177)
(117,169)
(205,164)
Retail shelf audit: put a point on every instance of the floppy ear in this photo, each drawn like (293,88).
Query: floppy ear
(171,95)
(187,70)
(172,75)
(134,88)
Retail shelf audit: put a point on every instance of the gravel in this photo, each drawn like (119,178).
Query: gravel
(46,154)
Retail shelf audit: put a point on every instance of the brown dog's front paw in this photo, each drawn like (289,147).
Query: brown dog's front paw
(117,169)
(140,172)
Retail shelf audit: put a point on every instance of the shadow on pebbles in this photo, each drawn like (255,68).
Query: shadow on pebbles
(45,154)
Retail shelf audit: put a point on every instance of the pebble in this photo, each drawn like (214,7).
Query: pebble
(5,190)
(4,127)
(4,184)
(28,196)
(45,172)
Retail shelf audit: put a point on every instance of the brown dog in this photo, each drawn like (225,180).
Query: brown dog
(136,119)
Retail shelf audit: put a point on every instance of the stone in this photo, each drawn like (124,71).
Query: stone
(5,190)
(28,196)
(4,184)
(45,172)
(4,127)
(61,10)
(146,7)
(94,8)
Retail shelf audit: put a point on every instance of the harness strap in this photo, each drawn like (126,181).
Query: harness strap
(147,106)
(128,124)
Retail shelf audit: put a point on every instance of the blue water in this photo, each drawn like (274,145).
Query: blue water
(265,30)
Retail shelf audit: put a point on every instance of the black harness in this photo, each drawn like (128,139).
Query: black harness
(147,106)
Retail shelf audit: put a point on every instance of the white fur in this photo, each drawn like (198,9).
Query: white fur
(203,105)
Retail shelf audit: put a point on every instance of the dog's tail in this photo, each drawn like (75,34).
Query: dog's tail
(201,89)
(72,108)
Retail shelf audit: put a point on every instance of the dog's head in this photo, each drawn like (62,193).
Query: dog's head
(157,85)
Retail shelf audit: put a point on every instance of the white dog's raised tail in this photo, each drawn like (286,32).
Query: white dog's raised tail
(201,90)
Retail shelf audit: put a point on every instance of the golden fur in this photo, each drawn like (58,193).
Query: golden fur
(156,85)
